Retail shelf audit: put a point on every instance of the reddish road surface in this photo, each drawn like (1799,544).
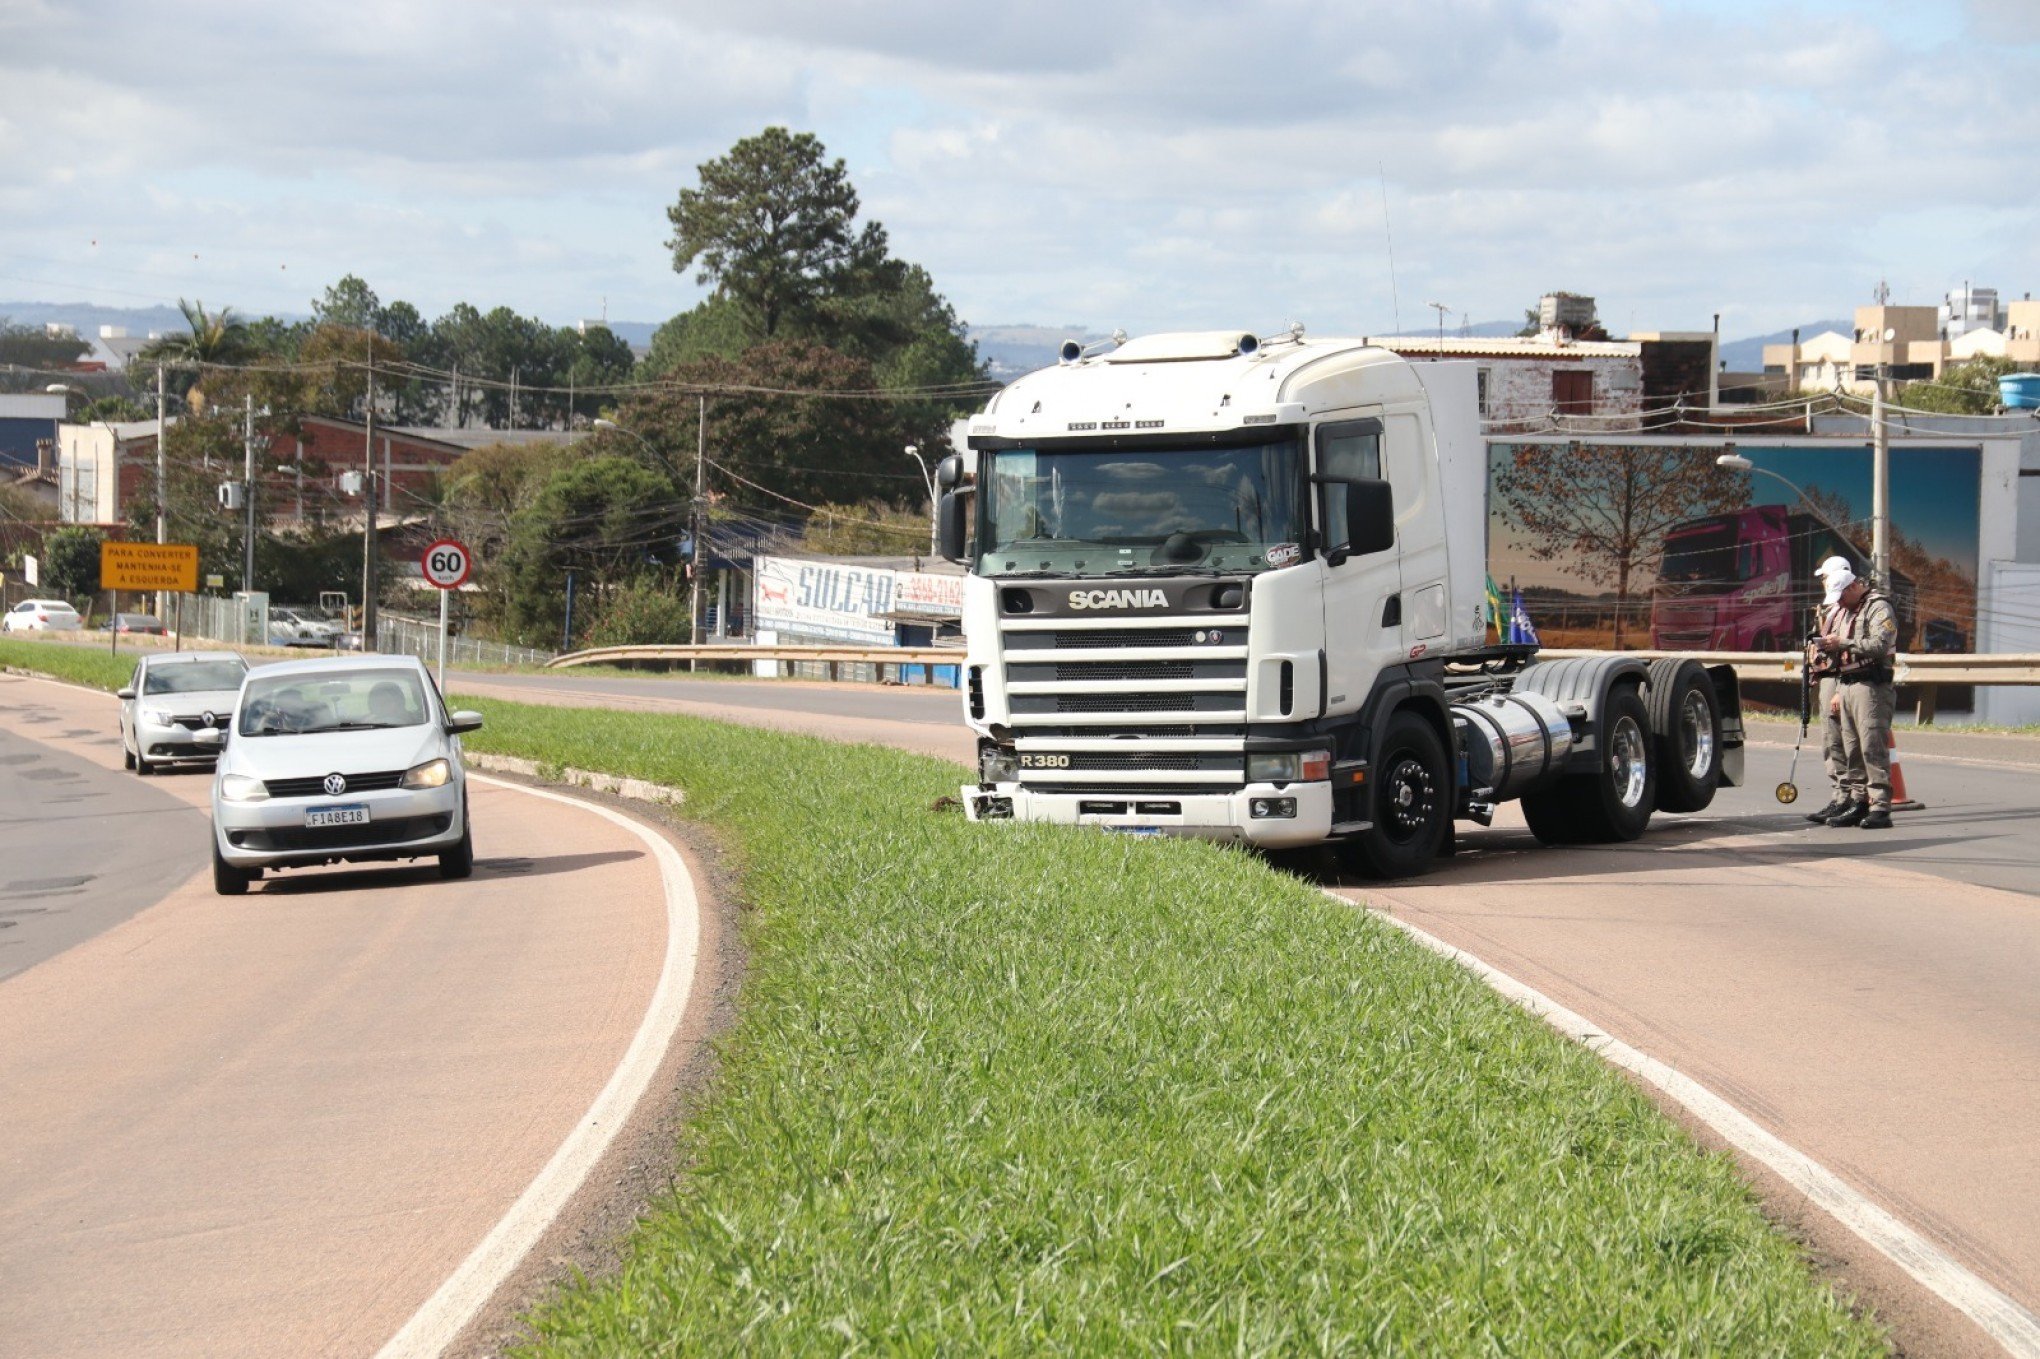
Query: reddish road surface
(275,1124)
(1873,998)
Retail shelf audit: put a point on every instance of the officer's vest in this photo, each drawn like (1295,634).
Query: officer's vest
(1860,667)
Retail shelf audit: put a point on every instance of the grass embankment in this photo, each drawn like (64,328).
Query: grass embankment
(61,660)
(1021,1089)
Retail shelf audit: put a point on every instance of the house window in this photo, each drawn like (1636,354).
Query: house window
(1480,379)
(1572,391)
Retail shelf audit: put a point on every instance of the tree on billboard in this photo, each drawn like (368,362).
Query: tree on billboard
(1604,509)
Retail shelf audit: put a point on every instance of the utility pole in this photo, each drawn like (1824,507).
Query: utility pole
(1880,486)
(368,517)
(248,496)
(162,479)
(1441,309)
(701,556)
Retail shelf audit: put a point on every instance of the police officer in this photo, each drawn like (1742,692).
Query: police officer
(1825,671)
(1864,646)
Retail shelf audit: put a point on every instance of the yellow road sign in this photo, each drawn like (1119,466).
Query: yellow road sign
(148,566)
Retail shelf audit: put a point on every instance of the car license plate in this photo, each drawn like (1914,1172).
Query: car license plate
(1134,830)
(352,814)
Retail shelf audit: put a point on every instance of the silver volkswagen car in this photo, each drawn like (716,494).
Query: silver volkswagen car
(171,698)
(350,759)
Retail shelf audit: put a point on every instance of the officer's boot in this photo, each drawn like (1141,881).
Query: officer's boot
(1879,818)
(1835,804)
(1851,815)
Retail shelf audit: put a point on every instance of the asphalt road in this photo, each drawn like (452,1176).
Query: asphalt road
(1871,997)
(275,1124)
(82,847)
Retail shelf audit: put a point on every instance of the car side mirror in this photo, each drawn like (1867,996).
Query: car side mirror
(123,694)
(950,525)
(211,738)
(1370,517)
(464,720)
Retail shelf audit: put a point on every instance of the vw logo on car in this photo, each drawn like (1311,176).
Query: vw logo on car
(335,785)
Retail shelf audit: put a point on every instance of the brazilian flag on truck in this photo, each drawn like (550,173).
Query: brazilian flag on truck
(1497,612)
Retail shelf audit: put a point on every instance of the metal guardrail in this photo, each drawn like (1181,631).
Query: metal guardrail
(908,665)
(2003,668)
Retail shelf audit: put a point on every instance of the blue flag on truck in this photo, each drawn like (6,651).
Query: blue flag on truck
(1521,630)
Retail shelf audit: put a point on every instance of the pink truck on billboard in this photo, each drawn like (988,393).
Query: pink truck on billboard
(1743,581)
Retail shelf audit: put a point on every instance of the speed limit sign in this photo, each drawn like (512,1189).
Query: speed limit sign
(446,564)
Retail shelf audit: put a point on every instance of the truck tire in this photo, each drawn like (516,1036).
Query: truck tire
(1411,806)
(1685,722)
(1614,801)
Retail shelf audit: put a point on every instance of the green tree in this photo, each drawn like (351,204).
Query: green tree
(651,612)
(70,562)
(716,327)
(815,429)
(611,519)
(772,226)
(350,303)
(35,347)
(211,340)
(1969,388)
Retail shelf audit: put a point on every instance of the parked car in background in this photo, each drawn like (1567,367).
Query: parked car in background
(300,627)
(339,760)
(170,699)
(140,624)
(40,615)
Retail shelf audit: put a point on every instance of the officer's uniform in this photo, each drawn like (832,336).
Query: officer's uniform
(1822,667)
(1870,639)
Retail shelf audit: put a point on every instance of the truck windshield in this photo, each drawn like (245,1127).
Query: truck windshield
(1701,556)
(1115,512)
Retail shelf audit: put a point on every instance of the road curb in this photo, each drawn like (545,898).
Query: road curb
(637,790)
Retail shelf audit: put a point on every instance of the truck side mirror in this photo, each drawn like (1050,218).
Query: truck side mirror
(949,473)
(950,525)
(1370,517)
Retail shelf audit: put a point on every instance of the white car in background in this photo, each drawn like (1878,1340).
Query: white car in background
(171,699)
(295,627)
(339,760)
(41,615)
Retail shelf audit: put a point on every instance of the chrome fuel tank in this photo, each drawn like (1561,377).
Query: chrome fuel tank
(1511,742)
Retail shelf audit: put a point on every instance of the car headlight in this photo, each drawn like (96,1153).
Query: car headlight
(998,764)
(157,719)
(431,774)
(241,788)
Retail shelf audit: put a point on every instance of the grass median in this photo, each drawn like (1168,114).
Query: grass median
(1027,1089)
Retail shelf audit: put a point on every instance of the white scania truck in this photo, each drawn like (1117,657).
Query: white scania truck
(1235,588)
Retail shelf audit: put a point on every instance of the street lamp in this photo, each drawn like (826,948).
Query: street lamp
(927,480)
(1736,462)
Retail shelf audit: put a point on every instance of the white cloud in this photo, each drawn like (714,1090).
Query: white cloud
(1140,164)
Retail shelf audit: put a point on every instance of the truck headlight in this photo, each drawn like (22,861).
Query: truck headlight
(241,788)
(998,764)
(1289,766)
(431,774)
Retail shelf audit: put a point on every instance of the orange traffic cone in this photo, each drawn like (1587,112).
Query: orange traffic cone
(1899,801)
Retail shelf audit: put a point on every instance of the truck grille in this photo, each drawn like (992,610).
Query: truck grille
(1101,639)
(1168,759)
(1131,790)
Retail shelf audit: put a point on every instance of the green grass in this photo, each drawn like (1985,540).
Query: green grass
(1022,1089)
(62,660)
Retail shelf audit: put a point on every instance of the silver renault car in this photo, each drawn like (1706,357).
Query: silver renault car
(349,759)
(171,698)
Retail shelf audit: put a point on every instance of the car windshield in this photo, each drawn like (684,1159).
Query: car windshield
(331,700)
(1144,511)
(193,677)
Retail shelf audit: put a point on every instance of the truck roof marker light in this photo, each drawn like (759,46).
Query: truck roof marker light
(1248,346)
(1070,352)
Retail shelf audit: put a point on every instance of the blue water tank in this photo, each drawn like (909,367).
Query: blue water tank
(2020,391)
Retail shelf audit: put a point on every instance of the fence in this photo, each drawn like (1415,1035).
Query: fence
(412,637)
(872,665)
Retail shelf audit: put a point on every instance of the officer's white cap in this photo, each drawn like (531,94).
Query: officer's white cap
(1838,575)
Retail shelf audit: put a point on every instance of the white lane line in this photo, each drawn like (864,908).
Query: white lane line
(2003,1319)
(433,1327)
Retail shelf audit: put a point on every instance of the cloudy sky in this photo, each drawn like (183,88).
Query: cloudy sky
(1094,163)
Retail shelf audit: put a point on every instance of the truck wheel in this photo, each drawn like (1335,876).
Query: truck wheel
(1615,800)
(1686,726)
(1411,806)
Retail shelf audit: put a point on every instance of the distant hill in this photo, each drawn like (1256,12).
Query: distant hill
(1747,356)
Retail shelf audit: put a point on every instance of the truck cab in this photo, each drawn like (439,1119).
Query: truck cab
(1215,587)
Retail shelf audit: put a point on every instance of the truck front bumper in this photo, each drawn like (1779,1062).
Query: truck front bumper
(1227,815)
